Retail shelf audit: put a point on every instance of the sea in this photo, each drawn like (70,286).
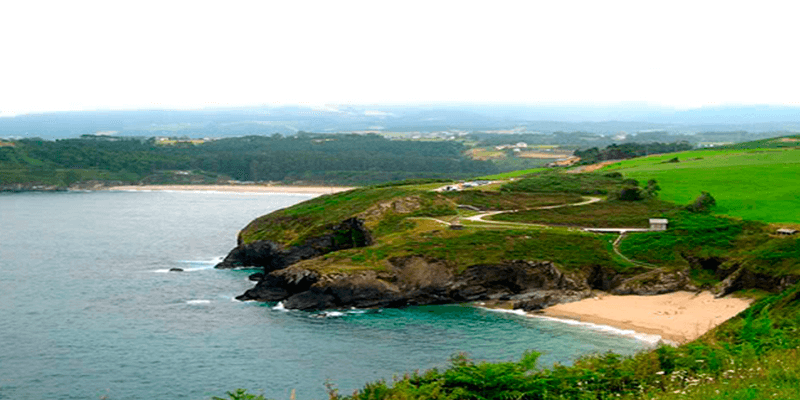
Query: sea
(90,310)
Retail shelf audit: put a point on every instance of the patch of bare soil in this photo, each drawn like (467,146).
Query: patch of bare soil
(592,167)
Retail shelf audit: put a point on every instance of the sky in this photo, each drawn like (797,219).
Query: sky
(89,55)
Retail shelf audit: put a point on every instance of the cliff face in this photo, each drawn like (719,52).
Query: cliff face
(271,256)
(415,281)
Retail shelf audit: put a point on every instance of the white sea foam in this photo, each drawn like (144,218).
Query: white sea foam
(333,314)
(198,302)
(644,337)
(280,307)
(506,311)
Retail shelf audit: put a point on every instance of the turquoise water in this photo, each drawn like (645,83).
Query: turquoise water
(88,309)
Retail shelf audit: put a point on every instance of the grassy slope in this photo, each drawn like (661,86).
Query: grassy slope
(606,214)
(411,232)
(754,184)
(753,356)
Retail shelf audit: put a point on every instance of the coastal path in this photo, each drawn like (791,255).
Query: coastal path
(588,200)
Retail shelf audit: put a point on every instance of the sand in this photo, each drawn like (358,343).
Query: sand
(236,188)
(678,317)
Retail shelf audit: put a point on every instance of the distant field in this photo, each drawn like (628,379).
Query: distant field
(512,174)
(754,184)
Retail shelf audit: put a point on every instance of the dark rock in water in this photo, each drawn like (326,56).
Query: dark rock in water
(314,299)
(263,253)
(281,284)
(256,277)
(271,256)
(176,270)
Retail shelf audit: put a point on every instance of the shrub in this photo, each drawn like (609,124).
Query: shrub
(703,203)
(630,194)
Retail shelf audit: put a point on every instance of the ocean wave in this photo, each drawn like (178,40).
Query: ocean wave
(644,337)
(194,302)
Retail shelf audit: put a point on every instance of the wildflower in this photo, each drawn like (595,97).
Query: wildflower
(660,373)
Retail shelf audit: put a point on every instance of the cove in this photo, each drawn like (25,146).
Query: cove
(89,309)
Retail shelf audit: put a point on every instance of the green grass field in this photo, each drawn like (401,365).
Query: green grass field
(512,174)
(753,184)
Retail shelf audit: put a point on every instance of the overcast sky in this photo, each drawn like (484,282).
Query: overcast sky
(84,55)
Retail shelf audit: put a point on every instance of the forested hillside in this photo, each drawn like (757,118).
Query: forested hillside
(342,159)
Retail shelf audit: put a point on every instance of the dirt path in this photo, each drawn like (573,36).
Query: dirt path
(615,246)
(589,200)
(480,217)
(592,167)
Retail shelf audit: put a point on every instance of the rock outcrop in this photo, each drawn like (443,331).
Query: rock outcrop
(272,256)
(655,282)
(417,281)
(743,278)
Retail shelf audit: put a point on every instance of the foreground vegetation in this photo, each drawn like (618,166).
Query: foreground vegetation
(752,356)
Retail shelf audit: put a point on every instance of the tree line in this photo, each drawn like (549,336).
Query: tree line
(350,159)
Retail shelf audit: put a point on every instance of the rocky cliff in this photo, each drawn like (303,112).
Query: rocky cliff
(415,281)
(272,256)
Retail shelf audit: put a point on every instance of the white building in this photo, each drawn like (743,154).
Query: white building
(658,224)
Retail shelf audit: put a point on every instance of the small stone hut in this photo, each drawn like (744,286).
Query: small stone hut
(658,224)
(787,231)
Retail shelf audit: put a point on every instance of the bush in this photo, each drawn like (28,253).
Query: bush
(652,188)
(630,194)
(703,203)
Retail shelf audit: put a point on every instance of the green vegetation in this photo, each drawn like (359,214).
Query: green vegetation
(332,159)
(554,181)
(512,174)
(689,235)
(757,184)
(629,150)
(461,249)
(312,218)
(752,356)
(792,141)
(605,214)
(486,200)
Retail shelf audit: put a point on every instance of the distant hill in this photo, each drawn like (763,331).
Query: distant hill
(227,122)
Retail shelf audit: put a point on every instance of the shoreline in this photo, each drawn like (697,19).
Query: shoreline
(231,188)
(677,317)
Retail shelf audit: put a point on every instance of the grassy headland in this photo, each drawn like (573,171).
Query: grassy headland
(751,356)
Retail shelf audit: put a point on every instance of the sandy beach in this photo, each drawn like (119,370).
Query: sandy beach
(235,188)
(677,317)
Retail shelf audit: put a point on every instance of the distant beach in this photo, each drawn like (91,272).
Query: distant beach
(678,317)
(235,188)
